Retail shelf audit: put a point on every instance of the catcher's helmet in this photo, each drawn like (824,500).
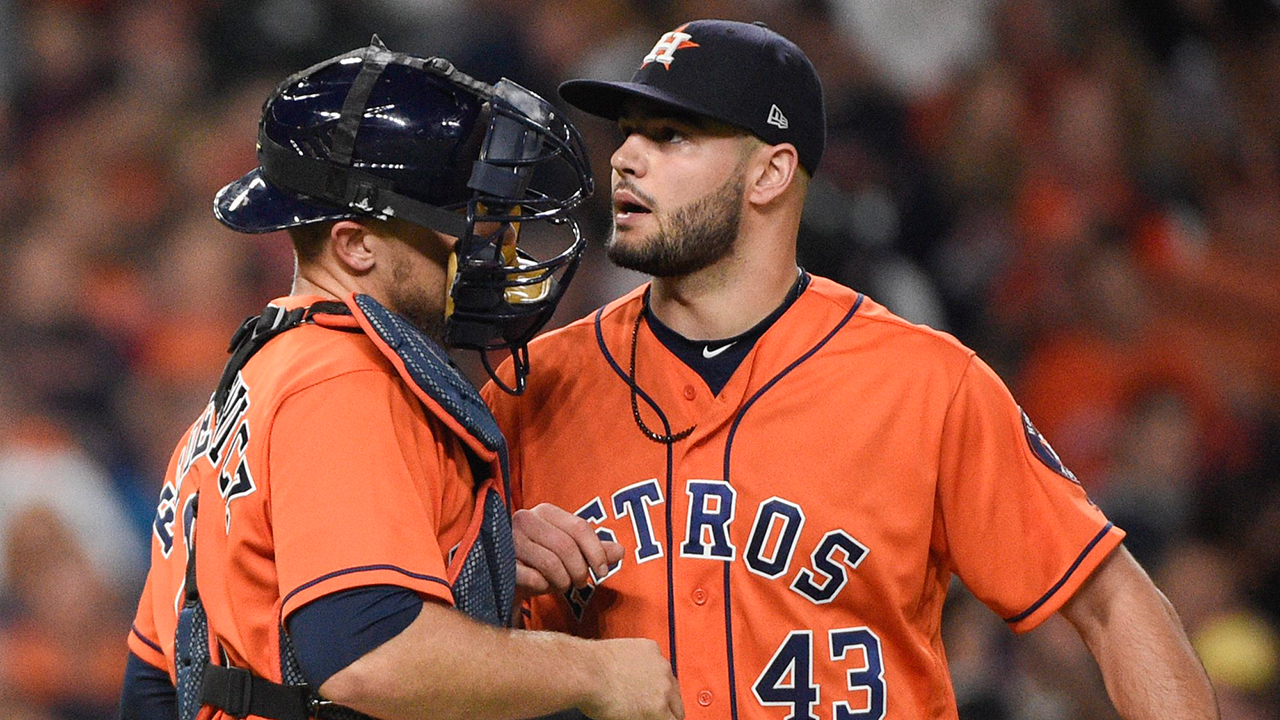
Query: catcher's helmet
(375,133)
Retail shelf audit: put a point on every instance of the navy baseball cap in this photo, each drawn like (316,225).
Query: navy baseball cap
(742,74)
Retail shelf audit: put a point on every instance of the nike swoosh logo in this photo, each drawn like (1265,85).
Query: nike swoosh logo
(708,353)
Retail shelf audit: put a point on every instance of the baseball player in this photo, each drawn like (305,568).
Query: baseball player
(332,538)
(771,475)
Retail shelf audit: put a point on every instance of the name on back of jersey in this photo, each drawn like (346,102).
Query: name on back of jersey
(219,438)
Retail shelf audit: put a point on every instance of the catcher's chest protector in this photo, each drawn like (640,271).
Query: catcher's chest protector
(481,571)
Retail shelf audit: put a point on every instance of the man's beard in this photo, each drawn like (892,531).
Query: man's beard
(411,300)
(693,237)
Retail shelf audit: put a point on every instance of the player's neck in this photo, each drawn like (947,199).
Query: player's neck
(725,299)
(313,279)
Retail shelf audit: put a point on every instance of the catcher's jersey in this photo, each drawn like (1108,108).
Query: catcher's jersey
(793,553)
(326,474)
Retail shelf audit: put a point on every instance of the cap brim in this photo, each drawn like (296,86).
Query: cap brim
(253,205)
(608,99)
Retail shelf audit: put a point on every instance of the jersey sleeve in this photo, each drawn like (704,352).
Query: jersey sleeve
(356,488)
(1016,525)
(144,637)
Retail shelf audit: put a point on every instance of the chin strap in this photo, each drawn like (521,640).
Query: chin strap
(519,365)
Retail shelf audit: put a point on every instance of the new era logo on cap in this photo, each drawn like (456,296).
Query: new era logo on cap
(776,118)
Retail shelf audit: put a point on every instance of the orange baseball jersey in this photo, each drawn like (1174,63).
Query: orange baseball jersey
(325,474)
(793,553)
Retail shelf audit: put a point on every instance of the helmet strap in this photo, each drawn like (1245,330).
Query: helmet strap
(376,58)
(519,366)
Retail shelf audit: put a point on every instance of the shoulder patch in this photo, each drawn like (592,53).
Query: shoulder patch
(1043,450)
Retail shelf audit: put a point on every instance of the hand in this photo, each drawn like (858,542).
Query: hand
(555,548)
(636,683)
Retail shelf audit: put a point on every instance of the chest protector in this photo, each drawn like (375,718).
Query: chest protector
(481,573)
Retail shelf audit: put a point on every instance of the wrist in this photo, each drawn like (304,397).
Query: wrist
(588,661)
(566,670)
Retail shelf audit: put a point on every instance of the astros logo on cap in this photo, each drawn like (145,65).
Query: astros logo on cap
(664,51)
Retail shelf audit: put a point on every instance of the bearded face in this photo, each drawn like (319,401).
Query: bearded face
(687,238)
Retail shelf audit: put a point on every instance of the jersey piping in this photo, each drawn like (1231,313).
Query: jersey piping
(363,568)
(666,429)
(728,453)
(728,605)
(716,367)
(1065,577)
(147,641)
(865,378)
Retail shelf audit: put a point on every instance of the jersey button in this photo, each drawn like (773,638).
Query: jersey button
(689,392)
(705,697)
(699,597)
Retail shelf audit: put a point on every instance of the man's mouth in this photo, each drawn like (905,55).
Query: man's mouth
(626,204)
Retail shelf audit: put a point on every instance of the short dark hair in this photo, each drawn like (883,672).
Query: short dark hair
(308,240)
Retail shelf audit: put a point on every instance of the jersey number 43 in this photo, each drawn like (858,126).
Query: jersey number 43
(788,678)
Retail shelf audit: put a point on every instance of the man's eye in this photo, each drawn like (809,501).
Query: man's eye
(670,135)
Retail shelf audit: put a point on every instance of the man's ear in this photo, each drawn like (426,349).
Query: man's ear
(353,244)
(773,171)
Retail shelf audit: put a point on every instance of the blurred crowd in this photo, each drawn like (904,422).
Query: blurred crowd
(1087,192)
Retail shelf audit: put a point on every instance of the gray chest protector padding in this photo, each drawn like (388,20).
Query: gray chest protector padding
(482,572)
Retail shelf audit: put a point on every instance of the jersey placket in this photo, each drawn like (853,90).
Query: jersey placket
(694,608)
(706,555)
(698,564)
(750,384)
(703,552)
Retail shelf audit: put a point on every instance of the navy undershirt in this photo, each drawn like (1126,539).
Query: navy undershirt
(331,632)
(328,634)
(716,360)
(147,693)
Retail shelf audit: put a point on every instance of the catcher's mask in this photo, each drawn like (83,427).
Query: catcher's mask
(375,133)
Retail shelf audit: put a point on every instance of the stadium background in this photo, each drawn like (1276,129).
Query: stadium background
(1087,192)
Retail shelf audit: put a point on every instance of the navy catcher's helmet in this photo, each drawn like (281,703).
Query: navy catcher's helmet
(374,133)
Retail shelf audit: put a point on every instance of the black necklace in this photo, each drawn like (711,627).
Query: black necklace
(635,405)
(802,281)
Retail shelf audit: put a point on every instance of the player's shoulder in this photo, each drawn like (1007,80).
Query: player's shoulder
(314,353)
(872,325)
(311,354)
